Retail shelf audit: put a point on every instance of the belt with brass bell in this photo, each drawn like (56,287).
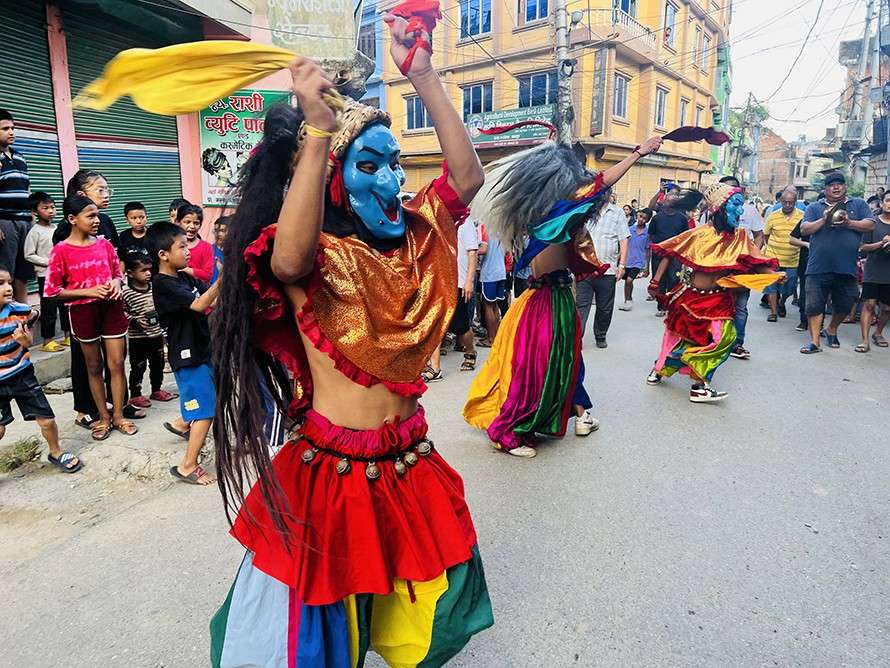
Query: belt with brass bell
(402,460)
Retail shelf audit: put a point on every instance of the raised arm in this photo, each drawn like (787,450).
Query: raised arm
(300,218)
(464,169)
(615,172)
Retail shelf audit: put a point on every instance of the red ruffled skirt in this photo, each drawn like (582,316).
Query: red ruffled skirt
(691,313)
(352,534)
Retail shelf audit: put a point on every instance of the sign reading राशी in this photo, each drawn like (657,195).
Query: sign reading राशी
(230,128)
(319,29)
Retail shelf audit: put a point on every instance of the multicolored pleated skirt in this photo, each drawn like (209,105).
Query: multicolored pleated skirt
(699,332)
(535,373)
(381,556)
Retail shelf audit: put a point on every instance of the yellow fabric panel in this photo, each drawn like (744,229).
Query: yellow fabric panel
(750,281)
(352,628)
(182,78)
(401,631)
(490,386)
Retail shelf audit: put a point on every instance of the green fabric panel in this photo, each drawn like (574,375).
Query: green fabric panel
(559,378)
(153,185)
(462,611)
(364,603)
(218,629)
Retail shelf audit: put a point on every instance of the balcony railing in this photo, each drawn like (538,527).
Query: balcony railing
(621,21)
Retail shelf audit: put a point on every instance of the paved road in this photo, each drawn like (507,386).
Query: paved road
(749,533)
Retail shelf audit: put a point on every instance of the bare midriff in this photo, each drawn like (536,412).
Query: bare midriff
(707,280)
(342,401)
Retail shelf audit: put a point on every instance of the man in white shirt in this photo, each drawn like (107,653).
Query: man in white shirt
(467,257)
(609,232)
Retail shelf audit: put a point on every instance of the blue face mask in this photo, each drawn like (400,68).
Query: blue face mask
(735,206)
(373,178)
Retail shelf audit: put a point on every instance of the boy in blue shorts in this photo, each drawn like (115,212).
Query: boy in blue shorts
(181,302)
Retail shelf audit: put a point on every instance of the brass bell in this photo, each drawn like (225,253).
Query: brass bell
(372,471)
(838,214)
(343,466)
(410,458)
(309,455)
(400,467)
(424,448)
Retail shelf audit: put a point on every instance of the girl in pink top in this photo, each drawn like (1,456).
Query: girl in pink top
(189,217)
(85,272)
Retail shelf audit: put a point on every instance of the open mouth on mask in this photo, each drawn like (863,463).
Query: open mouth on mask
(391,211)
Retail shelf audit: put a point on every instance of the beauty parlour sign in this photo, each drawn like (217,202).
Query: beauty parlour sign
(230,128)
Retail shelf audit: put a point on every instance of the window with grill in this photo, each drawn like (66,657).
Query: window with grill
(619,98)
(477,99)
(705,59)
(475,17)
(416,112)
(699,115)
(670,23)
(537,89)
(367,41)
(684,107)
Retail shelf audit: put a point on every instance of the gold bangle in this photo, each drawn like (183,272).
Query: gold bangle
(313,131)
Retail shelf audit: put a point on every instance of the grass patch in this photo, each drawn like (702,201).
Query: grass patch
(18,453)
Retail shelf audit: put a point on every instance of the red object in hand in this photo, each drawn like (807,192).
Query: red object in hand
(422,16)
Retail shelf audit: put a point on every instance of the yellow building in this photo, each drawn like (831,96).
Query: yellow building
(643,67)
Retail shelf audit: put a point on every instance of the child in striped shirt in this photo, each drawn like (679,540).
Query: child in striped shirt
(17,379)
(144,333)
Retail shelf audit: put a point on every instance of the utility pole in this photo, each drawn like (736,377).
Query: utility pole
(565,111)
(856,111)
(874,82)
(746,121)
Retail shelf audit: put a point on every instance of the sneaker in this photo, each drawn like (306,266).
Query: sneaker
(140,402)
(626,306)
(162,395)
(654,378)
(702,394)
(52,347)
(740,353)
(660,313)
(801,327)
(601,343)
(523,451)
(585,424)
(650,298)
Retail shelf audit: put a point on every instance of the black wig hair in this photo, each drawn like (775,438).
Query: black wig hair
(242,453)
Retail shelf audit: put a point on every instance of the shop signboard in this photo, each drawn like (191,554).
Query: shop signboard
(521,136)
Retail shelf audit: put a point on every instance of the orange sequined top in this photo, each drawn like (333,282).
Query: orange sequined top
(378,316)
(707,250)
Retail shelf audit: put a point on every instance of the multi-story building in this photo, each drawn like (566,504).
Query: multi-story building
(370,43)
(642,67)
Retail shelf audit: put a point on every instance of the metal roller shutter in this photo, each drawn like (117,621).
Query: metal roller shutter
(137,151)
(26,90)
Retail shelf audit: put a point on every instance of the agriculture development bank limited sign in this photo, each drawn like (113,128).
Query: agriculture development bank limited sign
(230,128)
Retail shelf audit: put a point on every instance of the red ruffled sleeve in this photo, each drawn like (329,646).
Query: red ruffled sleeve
(449,197)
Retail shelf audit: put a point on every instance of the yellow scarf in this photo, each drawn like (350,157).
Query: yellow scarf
(182,78)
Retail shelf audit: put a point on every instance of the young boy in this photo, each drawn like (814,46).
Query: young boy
(144,332)
(17,379)
(135,236)
(638,256)
(220,230)
(38,246)
(181,302)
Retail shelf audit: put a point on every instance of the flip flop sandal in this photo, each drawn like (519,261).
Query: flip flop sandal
(483,344)
(772,318)
(810,349)
(833,341)
(192,478)
(433,376)
(86,422)
(126,427)
(469,363)
(63,463)
(862,348)
(879,341)
(173,430)
(100,430)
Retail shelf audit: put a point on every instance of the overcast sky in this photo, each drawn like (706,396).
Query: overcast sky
(766,36)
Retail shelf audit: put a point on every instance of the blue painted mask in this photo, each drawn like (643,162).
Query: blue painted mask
(373,178)
(735,206)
